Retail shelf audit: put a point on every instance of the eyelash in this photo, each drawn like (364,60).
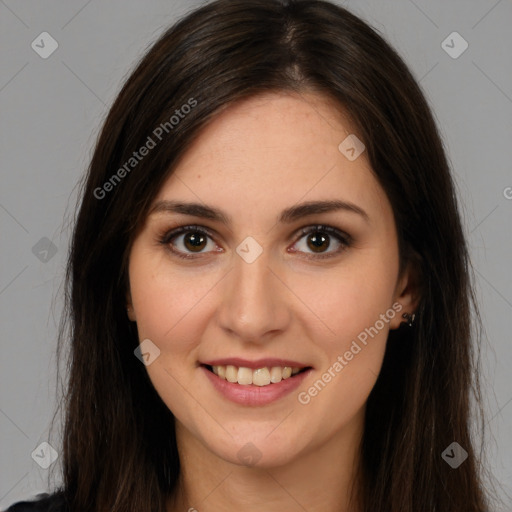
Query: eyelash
(343,238)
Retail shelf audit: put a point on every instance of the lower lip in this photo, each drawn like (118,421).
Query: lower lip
(255,395)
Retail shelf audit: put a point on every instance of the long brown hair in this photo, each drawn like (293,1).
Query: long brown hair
(119,450)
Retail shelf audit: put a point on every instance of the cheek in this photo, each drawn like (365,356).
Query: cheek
(345,301)
(349,370)
(170,309)
(168,303)
(356,307)
(355,323)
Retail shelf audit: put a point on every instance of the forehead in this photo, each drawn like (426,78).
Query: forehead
(266,126)
(262,154)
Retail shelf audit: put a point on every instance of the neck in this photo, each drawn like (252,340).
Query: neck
(320,479)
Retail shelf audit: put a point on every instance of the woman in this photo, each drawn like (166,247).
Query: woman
(269,294)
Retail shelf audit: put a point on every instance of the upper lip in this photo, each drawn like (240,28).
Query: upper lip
(258,363)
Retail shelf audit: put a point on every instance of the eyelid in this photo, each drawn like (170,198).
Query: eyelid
(180,230)
(342,237)
(174,232)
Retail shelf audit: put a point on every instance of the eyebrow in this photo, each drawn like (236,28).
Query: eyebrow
(287,216)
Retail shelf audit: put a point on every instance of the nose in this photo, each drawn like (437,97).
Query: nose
(255,302)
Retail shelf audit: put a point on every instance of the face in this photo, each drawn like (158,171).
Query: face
(249,283)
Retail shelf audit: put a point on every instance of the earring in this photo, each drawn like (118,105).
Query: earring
(409,318)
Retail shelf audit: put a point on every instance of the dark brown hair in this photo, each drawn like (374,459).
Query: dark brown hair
(119,450)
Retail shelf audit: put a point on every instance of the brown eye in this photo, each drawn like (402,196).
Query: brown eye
(188,241)
(319,239)
(194,241)
(317,242)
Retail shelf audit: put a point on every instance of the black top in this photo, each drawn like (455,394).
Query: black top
(43,502)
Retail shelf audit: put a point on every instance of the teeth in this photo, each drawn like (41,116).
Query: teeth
(276,374)
(259,377)
(231,373)
(244,376)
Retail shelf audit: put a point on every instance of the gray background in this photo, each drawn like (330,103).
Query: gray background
(51,111)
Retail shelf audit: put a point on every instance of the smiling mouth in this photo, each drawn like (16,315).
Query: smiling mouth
(259,377)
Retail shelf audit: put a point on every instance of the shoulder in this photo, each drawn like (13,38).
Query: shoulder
(43,502)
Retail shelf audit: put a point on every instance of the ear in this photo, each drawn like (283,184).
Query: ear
(407,292)
(129,307)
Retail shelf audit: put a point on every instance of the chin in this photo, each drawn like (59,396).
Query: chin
(261,450)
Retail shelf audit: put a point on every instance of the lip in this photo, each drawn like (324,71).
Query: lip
(259,363)
(251,394)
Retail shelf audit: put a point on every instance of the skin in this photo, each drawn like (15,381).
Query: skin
(256,158)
